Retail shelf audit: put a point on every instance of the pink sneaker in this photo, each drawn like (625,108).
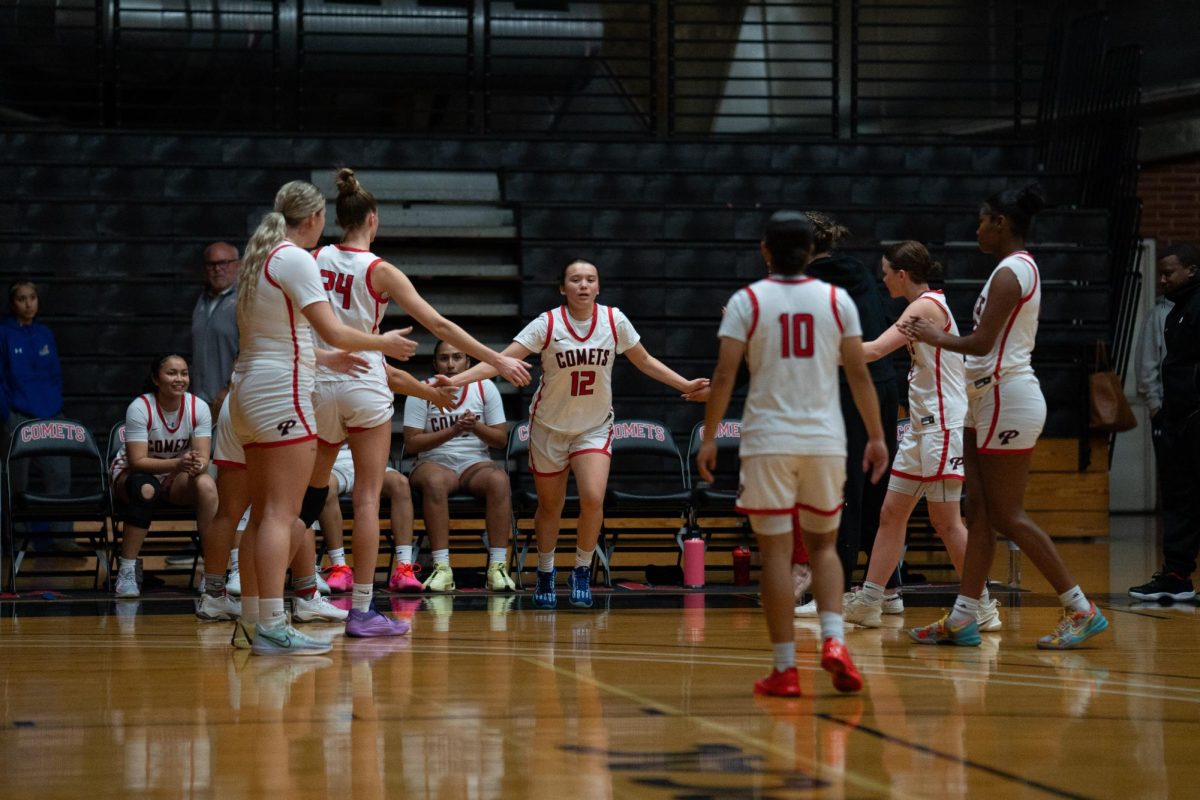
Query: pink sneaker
(340,578)
(404,578)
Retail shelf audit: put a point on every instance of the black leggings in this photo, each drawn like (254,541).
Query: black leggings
(139,510)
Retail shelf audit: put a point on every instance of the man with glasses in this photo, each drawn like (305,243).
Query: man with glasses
(214,326)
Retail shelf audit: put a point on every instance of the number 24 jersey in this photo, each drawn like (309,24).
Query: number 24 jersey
(793,330)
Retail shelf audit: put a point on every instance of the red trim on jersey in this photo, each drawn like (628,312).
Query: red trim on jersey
(149,412)
(178,420)
(379,299)
(482,396)
(606,449)
(317,252)
(462,398)
(995,415)
(922,479)
(836,316)
(337,445)
(995,452)
(753,312)
(545,474)
(571,328)
(549,329)
(346,249)
(1012,319)
(945,449)
(295,341)
(821,511)
(301,440)
(778,279)
(223,464)
(193,410)
(612,326)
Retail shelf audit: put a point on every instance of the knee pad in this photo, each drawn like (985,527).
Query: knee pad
(313,504)
(139,510)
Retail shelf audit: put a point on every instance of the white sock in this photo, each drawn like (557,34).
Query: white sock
(832,626)
(270,612)
(233,558)
(337,557)
(250,611)
(442,556)
(872,593)
(128,566)
(785,655)
(404,553)
(1073,599)
(966,609)
(545,561)
(497,555)
(583,558)
(362,595)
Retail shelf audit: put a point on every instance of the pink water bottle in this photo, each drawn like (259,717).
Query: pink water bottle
(741,566)
(693,563)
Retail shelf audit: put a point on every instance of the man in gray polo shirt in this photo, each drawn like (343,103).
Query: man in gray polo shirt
(214,326)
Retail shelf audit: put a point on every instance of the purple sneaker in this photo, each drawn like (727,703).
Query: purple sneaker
(365,624)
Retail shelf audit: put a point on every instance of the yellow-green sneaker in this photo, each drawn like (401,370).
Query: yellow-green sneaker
(441,579)
(498,579)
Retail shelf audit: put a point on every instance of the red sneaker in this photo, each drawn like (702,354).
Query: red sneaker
(404,578)
(340,578)
(835,659)
(779,684)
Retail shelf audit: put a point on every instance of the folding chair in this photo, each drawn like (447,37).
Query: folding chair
(647,483)
(85,500)
(156,544)
(709,502)
(524,499)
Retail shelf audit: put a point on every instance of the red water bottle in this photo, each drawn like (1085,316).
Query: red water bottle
(741,566)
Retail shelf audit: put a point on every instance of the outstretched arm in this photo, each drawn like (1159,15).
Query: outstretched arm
(482,371)
(331,330)
(649,365)
(1003,297)
(401,382)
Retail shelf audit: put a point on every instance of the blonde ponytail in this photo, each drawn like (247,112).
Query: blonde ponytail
(294,201)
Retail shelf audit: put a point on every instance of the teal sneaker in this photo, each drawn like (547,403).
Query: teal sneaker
(942,632)
(544,595)
(286,641)
(579,581)
(1074,629)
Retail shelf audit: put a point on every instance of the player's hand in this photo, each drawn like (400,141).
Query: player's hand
(347,363)
(875,459)
(468,421)
(397,346)
(442,395)
(696,390)
(917,329)
(706,460)
(512,370)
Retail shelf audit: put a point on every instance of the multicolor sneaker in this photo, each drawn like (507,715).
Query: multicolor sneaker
(858,609)
(989,616)
(243,635)
(127,585)
(942,632)
(214,609)
(318,609)
(498,579)
(779,684)
(233,584)
(544,595)
(835,659)
(340,578)
(1074,629)
(893,604)
(441,579)
(365,624)
(286,641)
(579,581)
(404,578)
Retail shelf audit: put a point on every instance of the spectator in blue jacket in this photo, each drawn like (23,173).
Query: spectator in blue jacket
(31,384)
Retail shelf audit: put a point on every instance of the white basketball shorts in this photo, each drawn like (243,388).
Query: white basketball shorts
(345,407)
(269,409)
(771,487)
(929,465)
(550,453)
(1008,415)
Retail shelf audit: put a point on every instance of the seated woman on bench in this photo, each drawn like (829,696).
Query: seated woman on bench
(452,447)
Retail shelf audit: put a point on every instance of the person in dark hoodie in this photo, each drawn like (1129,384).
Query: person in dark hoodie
(860,519)
(1179,273)
(31,381)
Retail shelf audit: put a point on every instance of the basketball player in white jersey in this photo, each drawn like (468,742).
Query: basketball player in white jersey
(791,330)
(453,455)
(281,300)
(571,416)
(168,439)
(1005,414)
(359,286)
(929,463)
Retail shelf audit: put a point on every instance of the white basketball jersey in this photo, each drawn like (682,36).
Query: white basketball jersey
(277,336)
(166,434)
(346,276)
(937,394)
(481,398)
(793,330)
(575,393)
(1013,352)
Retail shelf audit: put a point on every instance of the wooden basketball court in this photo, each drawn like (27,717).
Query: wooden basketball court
(647,695)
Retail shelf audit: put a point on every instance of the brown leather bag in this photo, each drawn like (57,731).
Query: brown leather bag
(1110,410)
